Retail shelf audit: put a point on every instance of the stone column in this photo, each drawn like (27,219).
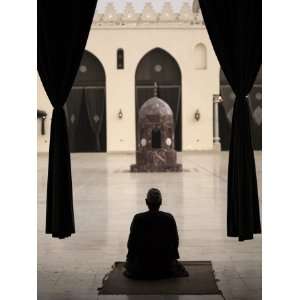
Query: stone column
(216,138)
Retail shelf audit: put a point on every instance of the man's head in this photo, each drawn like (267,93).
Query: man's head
(153,199)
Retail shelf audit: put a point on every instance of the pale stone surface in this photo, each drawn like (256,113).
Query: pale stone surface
(107,195)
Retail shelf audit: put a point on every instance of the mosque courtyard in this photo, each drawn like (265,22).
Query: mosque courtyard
(106,197)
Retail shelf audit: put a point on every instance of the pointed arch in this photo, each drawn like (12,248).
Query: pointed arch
(86,107)
(90,72)
(159,66)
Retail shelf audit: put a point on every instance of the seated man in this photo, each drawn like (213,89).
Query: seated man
(153,243)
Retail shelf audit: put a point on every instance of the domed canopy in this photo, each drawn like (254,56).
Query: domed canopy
(155,138)
(155,107)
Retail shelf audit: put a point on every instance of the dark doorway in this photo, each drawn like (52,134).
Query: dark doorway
(226,110)
(156,138)
(159,66)
(86,107)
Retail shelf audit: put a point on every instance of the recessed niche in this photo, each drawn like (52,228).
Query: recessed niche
(200,57)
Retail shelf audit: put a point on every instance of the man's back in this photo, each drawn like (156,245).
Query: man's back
(153,241)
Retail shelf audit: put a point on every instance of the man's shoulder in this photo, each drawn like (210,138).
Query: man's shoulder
(147,213)
(140,215)
(166,214)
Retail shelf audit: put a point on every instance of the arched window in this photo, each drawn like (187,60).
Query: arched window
(200,59)
(120,59)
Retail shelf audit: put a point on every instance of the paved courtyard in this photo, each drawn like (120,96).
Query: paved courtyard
(107,195)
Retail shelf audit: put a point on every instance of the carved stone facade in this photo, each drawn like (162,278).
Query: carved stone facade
(166,17)
(155,146)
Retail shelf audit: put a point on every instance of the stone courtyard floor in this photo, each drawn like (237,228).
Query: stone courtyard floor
(107,195)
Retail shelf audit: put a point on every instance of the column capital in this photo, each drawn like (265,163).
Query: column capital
(217,98)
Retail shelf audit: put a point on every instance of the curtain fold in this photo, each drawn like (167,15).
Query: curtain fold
(72,110)
(95,105)
(234,28)
(84,137)
(63,28)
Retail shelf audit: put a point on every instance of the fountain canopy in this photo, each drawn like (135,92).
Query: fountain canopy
(155,138)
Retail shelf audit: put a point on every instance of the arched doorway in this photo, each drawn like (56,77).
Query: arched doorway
(86,107)
(159,66)
(226,111)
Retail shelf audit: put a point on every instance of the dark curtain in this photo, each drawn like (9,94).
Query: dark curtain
(255,105)
(84,138)
(63,28)
(95,103)
(226,112)
(73,106)
(224,126)
(85,112)
(234,28)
